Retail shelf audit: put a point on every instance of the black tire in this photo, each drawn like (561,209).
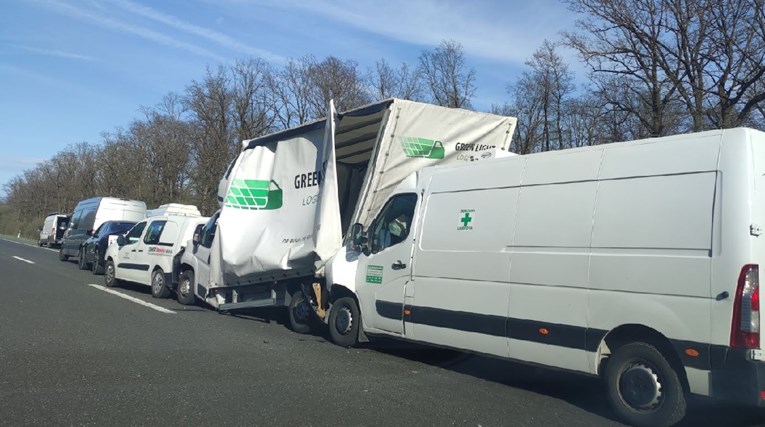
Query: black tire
(299,313)
(109,280)
(96,266)
(159,288)
(81,263)
(642,387)
(185,292)
(61,256)
(344,320)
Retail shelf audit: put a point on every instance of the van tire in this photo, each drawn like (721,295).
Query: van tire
(651,394)
(344,320)
(109,279)
(159,288)
(299,313)
(185,292)
(61,256)
(81,263)
(96,266)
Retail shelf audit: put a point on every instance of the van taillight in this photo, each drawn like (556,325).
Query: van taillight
(745,329)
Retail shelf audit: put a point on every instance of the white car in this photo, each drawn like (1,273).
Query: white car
(148,254)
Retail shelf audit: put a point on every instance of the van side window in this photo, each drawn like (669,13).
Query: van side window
(75,219)
(88,219)
(153,233)
(392,224)
(135,233)
(208,231)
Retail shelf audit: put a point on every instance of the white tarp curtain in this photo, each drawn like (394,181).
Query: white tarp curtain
(268,209)
(420,135)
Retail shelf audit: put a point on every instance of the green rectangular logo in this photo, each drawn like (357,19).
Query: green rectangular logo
(421,147)
(254,194)
(374,274)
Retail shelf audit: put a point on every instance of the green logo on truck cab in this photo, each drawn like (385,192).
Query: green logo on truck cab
(421,147)
(254,194)
(374,274)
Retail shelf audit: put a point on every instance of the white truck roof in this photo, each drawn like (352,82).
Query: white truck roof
(174,209)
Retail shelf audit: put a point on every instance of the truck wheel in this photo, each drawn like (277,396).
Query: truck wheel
(61,256)
(344,320)
(109,279)
(299,313)
(186,288)
(159,288)
(643,388)
(81,263)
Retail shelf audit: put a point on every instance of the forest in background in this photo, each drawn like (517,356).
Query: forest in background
(655,68)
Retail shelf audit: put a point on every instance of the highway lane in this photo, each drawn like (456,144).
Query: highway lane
(71,353)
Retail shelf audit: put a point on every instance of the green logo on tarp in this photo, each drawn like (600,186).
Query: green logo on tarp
(374,274)
(254,194)
(466,217)
(421,147)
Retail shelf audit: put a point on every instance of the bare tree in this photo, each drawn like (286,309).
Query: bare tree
(292,87)
(445,71)
(336,79)
(386,82)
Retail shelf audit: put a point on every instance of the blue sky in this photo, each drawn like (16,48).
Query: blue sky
(72,69)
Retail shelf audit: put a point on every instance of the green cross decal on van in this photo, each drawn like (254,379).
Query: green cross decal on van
(374,274)
(254,194)
(421,147)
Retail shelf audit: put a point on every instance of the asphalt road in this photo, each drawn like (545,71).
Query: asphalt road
(74,354)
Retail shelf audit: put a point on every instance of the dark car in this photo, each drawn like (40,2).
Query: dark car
(95,246)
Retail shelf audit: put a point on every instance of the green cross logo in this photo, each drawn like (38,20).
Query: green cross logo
(254,195)
(466,219)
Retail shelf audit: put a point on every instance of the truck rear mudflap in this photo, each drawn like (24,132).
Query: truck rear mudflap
(738,376)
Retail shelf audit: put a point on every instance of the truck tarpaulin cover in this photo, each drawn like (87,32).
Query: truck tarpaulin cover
(282,198)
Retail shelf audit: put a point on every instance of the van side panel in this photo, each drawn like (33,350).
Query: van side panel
(550,257)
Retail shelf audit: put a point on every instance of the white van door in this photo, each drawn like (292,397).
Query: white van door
(385,270)
(202,255)
(126,267)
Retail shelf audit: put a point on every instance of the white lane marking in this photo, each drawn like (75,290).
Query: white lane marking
(133,299)
(22,259)
(30,245)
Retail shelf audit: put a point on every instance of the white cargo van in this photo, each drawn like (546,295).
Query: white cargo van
(637,262)
(89,214)
(150,252)
(53,230)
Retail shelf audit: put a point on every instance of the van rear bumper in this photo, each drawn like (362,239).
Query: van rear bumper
(738,375)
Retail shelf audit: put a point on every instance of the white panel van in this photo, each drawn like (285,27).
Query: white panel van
(52,230)
(89,214)
(637,262)
(150,253)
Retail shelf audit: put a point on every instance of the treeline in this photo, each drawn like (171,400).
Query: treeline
(655,67)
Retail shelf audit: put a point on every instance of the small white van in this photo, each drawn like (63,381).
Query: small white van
(53,229)
(150,252)
(637,262)
(89,214)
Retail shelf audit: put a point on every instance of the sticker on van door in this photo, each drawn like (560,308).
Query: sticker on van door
(466,219)
(374,274)
(254,194)
(421,147)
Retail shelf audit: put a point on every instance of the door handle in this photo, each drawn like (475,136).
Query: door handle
(133,250)
(140,250)
(398,265)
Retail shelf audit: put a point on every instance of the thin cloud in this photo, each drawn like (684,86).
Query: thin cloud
(211,35)
(58,53)
(114,25)
(479,27)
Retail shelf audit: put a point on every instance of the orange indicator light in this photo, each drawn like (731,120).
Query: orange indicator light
(543,331)
(691,352)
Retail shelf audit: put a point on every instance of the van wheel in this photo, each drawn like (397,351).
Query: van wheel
(96,266)
(159,288)
(61,256)
(299,313)
(186,288)
(643,388)
(109,279)
(344,320)
(81,263)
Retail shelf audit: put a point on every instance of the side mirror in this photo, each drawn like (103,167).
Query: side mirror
(358,238)
(195,239)
(89,232)
(121,240)
(39,228)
